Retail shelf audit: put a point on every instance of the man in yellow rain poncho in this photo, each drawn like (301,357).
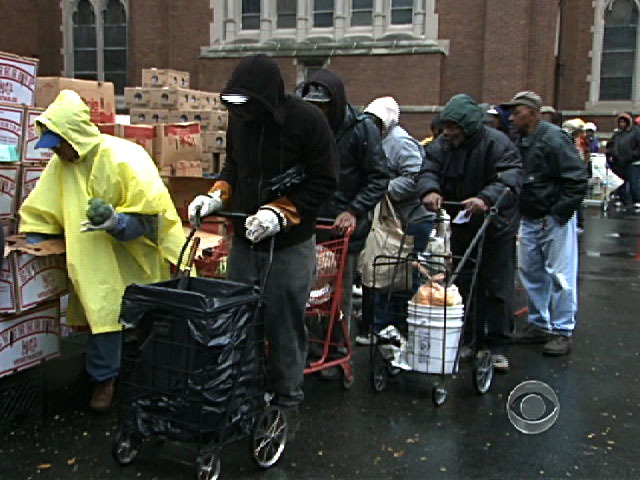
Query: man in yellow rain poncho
(135,241)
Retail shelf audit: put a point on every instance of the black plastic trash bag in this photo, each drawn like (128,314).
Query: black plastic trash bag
(195,347)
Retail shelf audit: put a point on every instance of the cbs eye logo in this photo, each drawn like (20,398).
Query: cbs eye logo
(533,407)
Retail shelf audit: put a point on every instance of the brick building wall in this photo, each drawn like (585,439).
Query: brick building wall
(575,59)
(31,28)
(167,34)
(496,48)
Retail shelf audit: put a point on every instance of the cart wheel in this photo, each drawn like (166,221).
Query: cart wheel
(348,380)
(125,447)
(438,395)
(269,437)
(208,464)
(483,372)
(379,371)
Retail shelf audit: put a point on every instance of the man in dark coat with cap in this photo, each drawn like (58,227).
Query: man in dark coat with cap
(555,182)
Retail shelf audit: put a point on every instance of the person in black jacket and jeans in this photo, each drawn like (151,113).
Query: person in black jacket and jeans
(363,172)
(269,133)
(475,164)
(555,182)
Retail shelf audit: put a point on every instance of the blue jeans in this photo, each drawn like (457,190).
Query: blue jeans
(548,257)
(104,355)
(390,307)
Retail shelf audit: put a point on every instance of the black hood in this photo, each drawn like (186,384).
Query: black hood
(333,83)
(259,77)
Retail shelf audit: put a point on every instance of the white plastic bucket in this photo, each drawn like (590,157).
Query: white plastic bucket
(427,334)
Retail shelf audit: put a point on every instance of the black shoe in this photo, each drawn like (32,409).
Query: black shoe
(532,334)
(559,345)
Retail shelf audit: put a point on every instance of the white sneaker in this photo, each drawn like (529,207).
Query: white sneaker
(636,206)
(500,363)
(356,291)
(364,339)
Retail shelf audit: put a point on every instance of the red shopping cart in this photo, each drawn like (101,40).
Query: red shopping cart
(324,307)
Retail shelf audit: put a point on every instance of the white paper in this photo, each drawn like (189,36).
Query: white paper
(463,217)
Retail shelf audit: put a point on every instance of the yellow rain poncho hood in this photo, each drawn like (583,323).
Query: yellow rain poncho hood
(122,174)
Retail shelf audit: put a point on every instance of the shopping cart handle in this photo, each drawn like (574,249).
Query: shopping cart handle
(238,215)
(326,220)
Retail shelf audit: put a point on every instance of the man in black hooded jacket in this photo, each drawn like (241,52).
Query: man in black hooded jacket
(474,164)
(269,133)
(364,176)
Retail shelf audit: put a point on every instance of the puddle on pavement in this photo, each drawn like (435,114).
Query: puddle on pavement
(593,253)
(623,235)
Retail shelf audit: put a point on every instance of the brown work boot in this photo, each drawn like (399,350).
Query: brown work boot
(102,396)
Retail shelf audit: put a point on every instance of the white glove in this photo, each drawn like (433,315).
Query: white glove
(208,204)
(264,224)
(110,224)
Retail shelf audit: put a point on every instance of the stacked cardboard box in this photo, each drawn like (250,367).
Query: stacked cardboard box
(165,99)
(30,281)
(100,96)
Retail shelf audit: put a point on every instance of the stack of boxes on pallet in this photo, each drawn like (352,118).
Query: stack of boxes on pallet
(31,285)
(190,125)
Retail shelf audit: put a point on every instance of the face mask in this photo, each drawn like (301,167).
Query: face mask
(249,111)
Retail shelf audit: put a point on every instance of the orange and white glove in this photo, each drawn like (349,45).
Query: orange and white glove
(267,222)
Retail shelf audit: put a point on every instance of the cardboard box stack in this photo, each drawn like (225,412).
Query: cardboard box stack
(166,101)
(31,281)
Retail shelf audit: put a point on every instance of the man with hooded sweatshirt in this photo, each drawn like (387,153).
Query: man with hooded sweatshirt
(474,164)
(269,134)
(623,151)
(136,239)
(363,173)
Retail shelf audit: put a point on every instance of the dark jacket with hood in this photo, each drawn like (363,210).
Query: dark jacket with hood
(363,168)
(290,132)
(624,147)
(484,165)
(555,177)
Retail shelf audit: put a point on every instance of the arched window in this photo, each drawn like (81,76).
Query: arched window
(115,44)
(619,48)
(85,58)
(96,40)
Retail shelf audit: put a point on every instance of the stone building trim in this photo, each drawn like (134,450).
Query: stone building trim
(594,103)
(284,48)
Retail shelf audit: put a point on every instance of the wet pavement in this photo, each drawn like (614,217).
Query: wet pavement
(399,433)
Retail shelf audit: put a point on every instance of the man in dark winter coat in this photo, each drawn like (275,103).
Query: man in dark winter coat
(475,164)
(623,151)
(363,171)
(269,133)
(555,182)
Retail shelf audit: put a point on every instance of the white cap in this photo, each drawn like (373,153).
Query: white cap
(386,109)
(235,99)
(492,111)
(590,126)
(575,124)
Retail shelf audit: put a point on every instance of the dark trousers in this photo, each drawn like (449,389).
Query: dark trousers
(286,294)
(493,297)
